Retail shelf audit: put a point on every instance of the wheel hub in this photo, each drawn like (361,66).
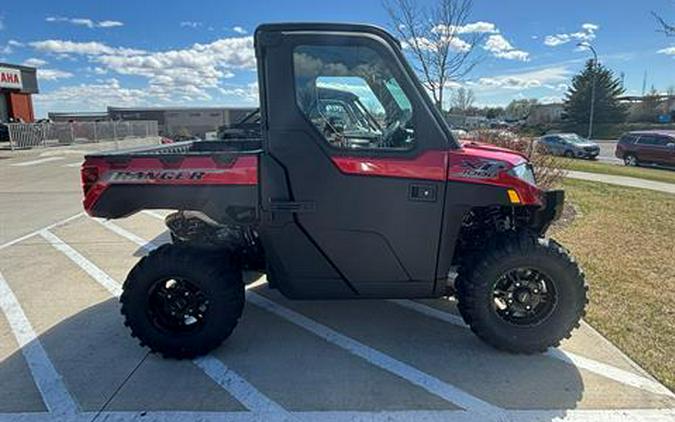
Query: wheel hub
(177,305)
(524,296)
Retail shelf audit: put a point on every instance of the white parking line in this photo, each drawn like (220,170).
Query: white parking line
(154,214)
(590,365)
(78,164)
(36,232)
(228,379)
(450,393)
(89,267)
(52,389)
(147,246)
(39,161)
(603,369)
(240,389)
(562,415)
(413,375)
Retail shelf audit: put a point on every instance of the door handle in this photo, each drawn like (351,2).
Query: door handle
(422,192)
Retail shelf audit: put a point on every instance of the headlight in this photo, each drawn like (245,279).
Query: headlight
(524,172)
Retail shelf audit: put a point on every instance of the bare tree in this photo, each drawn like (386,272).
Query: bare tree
(665,27)
(462,99)
(431,35)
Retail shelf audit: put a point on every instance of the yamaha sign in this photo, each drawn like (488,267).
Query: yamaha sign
(10,78)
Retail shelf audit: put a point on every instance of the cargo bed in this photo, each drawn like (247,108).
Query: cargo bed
(219,178)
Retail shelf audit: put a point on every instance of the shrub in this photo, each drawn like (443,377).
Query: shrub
(548,169)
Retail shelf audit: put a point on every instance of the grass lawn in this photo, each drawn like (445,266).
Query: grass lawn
(659,175)
(624,239)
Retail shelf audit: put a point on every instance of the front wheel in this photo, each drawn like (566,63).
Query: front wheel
(182,302)
(524,296)
(630,160)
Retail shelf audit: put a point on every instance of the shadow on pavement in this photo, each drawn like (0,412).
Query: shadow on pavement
(94,354)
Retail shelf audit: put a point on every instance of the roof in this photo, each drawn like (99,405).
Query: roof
(18,66)
(160,109)
(665,132)
(81,114)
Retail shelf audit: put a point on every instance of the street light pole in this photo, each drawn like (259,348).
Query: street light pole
(595,63)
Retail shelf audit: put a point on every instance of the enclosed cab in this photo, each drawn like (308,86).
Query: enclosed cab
(358,190)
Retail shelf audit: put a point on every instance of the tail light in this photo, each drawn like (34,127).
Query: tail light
(89,177)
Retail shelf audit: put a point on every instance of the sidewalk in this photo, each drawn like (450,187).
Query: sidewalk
(632,182)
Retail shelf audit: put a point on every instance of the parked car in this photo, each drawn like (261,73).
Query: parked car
(569,145)
(647,147)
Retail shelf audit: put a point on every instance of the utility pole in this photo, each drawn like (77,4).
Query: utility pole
(588,46)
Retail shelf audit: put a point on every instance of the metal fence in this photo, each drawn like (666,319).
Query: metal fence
(29,135)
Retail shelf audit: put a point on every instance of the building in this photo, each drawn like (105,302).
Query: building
(186,121)
(17,84)
(546,113)
(97,116)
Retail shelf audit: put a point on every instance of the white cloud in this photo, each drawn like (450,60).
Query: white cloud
(455,44)
(248,93)
(93,97)
(83,48)
(89,23)
(239,30)
(479,27)
(110,24)
(15,43)
(551,78)
(34,62)
(668,51)
(500,47)
(587,34)
(190,24)
(53,74)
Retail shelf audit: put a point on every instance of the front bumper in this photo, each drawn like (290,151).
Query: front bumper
(551,210)
(588,154)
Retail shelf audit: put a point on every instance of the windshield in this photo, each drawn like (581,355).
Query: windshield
(574,138)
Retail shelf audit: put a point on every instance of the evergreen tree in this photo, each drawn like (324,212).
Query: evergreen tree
(607,108)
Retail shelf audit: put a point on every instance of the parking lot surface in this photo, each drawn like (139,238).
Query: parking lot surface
(65,354)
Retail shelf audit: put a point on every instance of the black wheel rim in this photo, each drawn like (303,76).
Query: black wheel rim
(176,305)
(524,297)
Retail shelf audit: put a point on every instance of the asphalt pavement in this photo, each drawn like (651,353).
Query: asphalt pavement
(65,354)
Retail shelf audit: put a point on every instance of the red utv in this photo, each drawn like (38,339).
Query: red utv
(357,189)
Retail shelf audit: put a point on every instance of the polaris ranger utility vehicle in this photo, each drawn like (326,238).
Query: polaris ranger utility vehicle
(332,203)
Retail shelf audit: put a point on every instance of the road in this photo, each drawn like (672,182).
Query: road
(607,148)
(65,354)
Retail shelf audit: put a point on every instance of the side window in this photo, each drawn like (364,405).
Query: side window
(352,97)
(648,140)
(662,141)
(628,139)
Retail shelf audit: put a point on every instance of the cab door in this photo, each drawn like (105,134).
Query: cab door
(352,203)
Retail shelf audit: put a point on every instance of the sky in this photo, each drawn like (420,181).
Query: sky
(92,54)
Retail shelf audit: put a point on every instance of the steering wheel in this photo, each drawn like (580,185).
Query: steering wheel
(391,134)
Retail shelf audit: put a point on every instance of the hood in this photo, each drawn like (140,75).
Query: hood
(485,151)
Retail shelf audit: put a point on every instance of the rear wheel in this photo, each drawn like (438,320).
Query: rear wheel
(569,154)
(524,296)
(182,302)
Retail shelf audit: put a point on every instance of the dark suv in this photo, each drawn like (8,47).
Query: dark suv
(569,145)
(652,146)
